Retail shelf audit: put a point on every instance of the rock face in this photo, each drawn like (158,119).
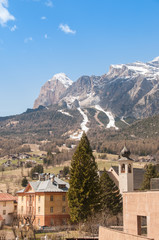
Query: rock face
(52,90)
(126,90)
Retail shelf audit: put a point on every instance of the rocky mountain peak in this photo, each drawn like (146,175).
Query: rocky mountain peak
(52,90)
(150,70)
(62,77)
(130,89)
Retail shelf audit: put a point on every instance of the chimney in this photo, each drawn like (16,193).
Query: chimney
(52,178)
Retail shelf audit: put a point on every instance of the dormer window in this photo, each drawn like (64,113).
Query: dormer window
(62,186)
(123,168)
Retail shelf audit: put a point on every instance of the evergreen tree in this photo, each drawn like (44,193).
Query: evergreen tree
(84,188)
(24,182)
(111,199)
(151,172)
(49,160)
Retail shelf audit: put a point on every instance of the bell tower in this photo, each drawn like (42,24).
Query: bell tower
(126,183)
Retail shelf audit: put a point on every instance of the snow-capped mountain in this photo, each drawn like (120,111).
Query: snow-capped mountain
(62,78)
(126,90)
(52,90)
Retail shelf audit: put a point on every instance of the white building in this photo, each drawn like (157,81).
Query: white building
(126,183)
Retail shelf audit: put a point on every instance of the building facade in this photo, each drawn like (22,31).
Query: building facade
(8,207)
(141,214)
(45,201)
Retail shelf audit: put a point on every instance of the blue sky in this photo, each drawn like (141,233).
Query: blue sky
(39,38)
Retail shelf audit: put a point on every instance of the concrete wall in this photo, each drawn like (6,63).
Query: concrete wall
(110,234)
(141,204)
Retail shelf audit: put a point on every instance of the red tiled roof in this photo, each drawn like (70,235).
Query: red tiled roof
(7,197)
(1,218)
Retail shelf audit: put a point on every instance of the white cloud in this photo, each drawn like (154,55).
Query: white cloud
(43,18)
(49,3)
(13,28)
(66,29)
(5,16)
(26,40)
(46,36)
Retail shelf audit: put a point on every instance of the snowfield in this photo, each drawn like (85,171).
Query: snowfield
(109,115)
(77,135)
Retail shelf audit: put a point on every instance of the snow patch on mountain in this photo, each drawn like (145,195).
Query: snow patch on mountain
(149,69)
(109,115)
(122,119)
(62,77)
(65,113)
(77,135)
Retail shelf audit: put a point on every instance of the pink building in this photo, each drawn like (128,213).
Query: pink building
(141,213)
(140,209)
(140,217)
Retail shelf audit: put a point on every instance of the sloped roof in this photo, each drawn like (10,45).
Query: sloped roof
(138,175)
(7,197)
(48,186)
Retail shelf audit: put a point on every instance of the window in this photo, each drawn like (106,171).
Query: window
(38,221)
(63,209)
(21,209)
(129,168)
(51,198)
(142,225)
(4,212)
(123,168)
(38,209)
(39,198)
(51,209)
(52,222)
(63,198)
(4,204)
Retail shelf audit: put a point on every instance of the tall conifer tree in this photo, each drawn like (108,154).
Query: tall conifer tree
(151,172)
(111,199)
(84,189)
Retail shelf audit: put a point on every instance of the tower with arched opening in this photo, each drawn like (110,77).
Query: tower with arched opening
(125,171)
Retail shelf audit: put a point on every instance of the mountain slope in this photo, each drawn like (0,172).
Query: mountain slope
(126,90)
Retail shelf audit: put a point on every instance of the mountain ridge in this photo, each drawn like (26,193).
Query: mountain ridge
(126,90)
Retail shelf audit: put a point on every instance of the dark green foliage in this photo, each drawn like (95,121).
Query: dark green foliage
(151,172)
(111,199)
(24,182)
(28,165)
(49,160)
(66,171)
(84,189)
(37,169)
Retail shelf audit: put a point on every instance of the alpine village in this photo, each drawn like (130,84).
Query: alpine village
(83,163)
